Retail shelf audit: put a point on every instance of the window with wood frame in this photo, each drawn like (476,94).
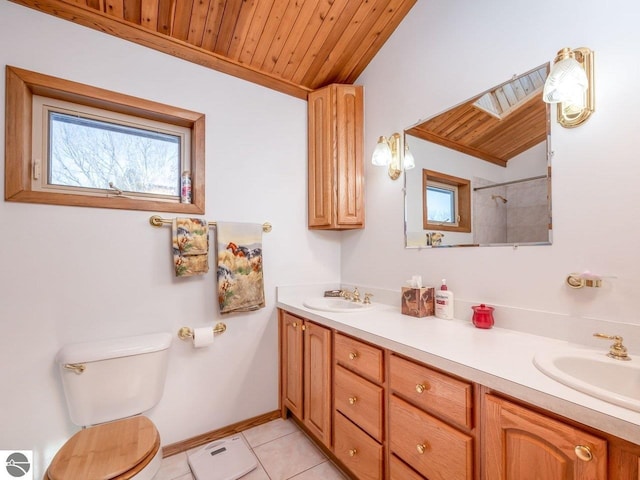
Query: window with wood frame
(446,202)
(73,144)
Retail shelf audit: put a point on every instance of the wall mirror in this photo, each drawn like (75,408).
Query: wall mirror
(482,171)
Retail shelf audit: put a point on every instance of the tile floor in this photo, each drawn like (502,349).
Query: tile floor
(283,451)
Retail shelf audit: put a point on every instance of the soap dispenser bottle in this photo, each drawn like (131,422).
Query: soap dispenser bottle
(444,302)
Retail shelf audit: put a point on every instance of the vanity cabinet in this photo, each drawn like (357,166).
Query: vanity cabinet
(624,460)
(305,380)
(430,422)
(383,415)
(336,164)
(359,407)
(520,443)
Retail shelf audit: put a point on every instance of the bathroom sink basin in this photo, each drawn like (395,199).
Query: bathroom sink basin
(593,373)
(333,304)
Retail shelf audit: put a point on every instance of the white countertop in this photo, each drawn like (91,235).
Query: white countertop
(497,358)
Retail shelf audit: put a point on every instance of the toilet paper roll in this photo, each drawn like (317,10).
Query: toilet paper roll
(202,337)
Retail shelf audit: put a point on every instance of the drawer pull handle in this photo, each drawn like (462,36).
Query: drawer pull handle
(421,448)
(421,387)
(583,452)
(352,452)
(353,356)
(353,400)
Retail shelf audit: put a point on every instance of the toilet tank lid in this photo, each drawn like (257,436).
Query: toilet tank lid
(113,348)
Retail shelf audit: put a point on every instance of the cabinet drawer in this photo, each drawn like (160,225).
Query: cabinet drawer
(398,470)
(359,357)
(360,453)
(359,400)
(432,390)
(430,446)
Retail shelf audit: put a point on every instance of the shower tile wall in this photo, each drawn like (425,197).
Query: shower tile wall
(523,218)
(527,212)
(489,215)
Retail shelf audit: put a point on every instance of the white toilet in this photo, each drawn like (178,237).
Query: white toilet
(107,385)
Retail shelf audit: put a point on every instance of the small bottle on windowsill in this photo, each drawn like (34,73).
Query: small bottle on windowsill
(185,187)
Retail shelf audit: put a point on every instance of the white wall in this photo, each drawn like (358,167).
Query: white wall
(75,274)
(445,52)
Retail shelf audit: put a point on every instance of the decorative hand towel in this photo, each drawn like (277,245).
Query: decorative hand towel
(240,281)
(190,246)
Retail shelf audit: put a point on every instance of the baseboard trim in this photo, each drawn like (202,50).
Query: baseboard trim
(184,445)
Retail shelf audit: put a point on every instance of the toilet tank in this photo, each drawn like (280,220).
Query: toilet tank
(113,379)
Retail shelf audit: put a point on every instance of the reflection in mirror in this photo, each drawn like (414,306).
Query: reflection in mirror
(483,172)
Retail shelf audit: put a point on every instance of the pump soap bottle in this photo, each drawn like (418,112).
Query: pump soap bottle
(444,302)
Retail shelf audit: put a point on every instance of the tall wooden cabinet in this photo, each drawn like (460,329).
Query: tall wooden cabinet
(336,165)
(305,364)
(525,445)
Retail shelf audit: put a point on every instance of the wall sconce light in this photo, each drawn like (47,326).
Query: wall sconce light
(570,85)
(390,152)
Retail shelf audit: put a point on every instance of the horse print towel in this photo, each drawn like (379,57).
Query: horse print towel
(240,280)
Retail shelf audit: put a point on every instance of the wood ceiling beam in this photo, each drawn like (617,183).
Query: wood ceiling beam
(89,17)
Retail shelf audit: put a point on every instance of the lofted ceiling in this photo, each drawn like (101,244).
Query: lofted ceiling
(292,46)
(494,126)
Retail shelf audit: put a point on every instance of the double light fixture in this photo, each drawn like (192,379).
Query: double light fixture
(570,85)
(394,153)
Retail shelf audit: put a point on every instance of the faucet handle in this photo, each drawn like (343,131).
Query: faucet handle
(367,298)
(617,350)
(356,295)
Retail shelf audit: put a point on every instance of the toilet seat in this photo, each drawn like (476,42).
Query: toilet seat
(111,451)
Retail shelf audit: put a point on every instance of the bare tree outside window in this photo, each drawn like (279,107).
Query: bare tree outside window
(90,153)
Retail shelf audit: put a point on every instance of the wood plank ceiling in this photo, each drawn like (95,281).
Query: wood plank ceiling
(292,46)
(495,136)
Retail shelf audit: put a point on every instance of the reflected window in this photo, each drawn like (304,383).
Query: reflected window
(443,203)
(446,202)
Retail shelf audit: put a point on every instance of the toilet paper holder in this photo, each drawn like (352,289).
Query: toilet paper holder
(186,333)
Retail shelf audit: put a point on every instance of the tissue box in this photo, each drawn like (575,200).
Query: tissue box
(417,302)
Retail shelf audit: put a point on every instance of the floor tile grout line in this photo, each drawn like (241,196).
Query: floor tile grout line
(257,457)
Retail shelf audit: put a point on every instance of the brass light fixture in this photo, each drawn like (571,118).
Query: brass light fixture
(390,152)
(570,85)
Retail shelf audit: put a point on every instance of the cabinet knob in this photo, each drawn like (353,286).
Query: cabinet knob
(353,400)
(353,356)
(352,452)
(303,328)
(583,452)
(294,324)
(421,448)
(421,387)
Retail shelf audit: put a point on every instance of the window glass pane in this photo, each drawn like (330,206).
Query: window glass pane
(90,153)
(441,205)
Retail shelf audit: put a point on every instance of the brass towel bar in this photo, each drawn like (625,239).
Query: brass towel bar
(157,221)
(185,333)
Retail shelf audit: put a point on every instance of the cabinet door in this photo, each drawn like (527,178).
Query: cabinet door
(624,460)
(520,444)
(350,167)
(317,381)
(291,334)
(321,172)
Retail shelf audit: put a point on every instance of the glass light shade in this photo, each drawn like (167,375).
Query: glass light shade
(567,82)
(409,161)
(382,153)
